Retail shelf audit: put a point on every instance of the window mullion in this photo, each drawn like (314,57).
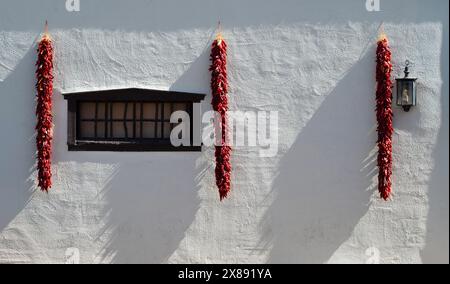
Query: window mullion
(162,120)
(156,119)
(111,130)
(134,120)
(106,120)
(125,115)
(95,120)
(142,120)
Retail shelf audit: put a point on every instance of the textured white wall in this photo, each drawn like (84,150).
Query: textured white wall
(316,201)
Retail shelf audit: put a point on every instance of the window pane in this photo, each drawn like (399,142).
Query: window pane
(118,130)
(148,130)
(149,110)
(87,130)
(180,106)
(138,129)
(101,111)
(100,130)
(167,129)
(138,111)
(118,110)
(129,110)
(129,129)
(112,124)
(122,130)
(87,110)
(167,111)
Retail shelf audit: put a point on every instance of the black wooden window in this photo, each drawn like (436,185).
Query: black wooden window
(126,120)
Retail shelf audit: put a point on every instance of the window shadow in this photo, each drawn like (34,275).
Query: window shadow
(436,249)
(149,207)
(324,183)
(150,199)
(113,207)
(145,15)
(196,78)
(17,132)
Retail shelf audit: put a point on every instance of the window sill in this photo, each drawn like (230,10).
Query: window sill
(108,146)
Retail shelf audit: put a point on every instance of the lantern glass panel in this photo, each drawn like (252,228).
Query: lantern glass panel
(406,93)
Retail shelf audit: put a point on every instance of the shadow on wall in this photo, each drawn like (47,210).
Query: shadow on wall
(437,243)
(149,208)
(148,217)
(17,150)
(319,199)
(197,78)
(152,198)
(145,15)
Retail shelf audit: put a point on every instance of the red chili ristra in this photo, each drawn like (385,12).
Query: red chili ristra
(44,87)
(219,88)
(384,118)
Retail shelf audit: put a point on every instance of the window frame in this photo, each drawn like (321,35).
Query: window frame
(126,144)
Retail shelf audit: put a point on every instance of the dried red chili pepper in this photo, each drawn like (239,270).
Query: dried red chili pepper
(219,88)
(44,126)
(384,117)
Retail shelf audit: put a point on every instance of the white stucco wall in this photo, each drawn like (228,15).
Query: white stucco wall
(316,201)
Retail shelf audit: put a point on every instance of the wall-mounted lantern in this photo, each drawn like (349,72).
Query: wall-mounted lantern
(406,90)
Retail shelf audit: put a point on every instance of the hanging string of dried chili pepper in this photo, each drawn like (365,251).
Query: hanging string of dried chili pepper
(44,126)
(219,87)
(384,117)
